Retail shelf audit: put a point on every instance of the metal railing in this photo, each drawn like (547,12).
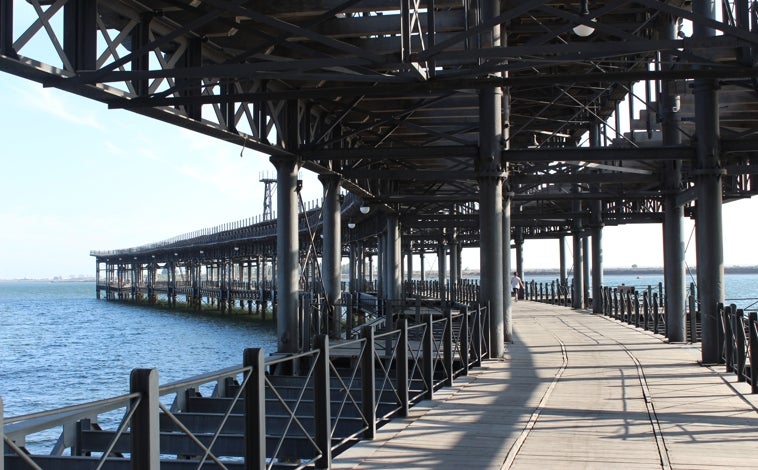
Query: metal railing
(273,412)
(739,333)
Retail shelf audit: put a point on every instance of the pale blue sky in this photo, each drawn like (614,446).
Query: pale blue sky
(77,176)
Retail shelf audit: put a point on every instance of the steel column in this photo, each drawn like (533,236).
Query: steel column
(455,272)
(710,250)
(331,254)
(442,268)
(393,258)
(287,250)
(80,34)
(6,28)
(675,290)
(577,296)
(562,255)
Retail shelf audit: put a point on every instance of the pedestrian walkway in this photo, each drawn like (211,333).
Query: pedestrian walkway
(576,390)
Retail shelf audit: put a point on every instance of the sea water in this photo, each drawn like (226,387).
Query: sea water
(59,345)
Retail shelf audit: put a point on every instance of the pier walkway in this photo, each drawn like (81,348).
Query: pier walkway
(576,390)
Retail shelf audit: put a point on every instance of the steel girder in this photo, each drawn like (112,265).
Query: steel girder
(386,95)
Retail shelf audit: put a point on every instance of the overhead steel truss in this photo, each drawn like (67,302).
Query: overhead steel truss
(385,94)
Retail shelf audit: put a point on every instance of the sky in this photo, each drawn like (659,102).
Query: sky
(78,177)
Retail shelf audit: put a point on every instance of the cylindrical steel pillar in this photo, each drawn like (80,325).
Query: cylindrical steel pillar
(675,291)
(562,255)
(286,254)
(710,250)
(442,268)
(455,272)
(331,256)
(392,255)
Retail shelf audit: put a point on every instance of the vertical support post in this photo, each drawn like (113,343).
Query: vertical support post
(476,337)
(287,252)
(708,225)
(402,368)
(393,258)
(752,328)
(255,409)
(80,35)
(585,270)
(673,214)
(145,431)
(577,296)
(368,382)
(447,344)
(6,33)
(494,236)
(465,345)
(455,273)
(562,254)
(332,251)
(427,360)
(442,268)
(322,404)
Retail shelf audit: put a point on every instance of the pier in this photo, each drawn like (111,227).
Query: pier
(431,127)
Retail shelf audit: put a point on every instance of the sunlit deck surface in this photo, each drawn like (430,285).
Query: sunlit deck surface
(576,390)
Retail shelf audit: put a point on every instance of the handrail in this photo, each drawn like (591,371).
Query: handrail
(425,360)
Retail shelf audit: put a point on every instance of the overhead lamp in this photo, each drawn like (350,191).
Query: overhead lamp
(351,225)
(583,30)
(365,209)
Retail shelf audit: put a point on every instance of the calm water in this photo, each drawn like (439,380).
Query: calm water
(59,345)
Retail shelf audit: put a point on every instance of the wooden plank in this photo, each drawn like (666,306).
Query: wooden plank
(575,390)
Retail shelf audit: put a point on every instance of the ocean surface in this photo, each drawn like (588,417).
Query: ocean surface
(60,346)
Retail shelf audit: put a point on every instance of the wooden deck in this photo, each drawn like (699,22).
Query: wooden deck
(576,390)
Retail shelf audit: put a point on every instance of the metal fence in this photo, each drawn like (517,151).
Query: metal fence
(280,411)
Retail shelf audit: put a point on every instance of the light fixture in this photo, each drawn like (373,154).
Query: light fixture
(583,30)
(236,248)
(365,209)
(351,225)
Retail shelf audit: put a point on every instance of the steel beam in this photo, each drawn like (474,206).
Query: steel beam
(332,251)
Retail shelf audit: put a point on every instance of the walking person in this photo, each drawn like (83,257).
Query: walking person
(516,285)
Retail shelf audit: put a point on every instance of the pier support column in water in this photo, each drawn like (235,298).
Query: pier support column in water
(286,253)
(332,252)
(708,222)
(673,213)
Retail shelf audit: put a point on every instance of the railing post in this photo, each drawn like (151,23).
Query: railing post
(427,361)
(739,337)
(448,345)
(368,382)
(322,403)
(145,432)
(645,310)
(464,352)
(476,337)
(402,368)
(655,313)
(636,309)
(255,409)
(726,321)
(752,321)
(693,317)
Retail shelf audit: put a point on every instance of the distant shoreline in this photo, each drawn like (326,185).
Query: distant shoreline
(475,272)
